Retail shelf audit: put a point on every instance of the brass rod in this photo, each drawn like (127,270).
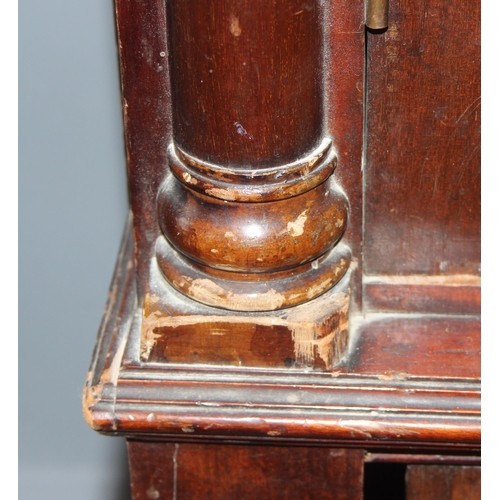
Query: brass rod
(376,14)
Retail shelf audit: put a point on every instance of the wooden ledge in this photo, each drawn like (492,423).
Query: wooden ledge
(416,402)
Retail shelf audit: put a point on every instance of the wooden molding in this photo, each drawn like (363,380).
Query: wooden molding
(415,403)
(448,294)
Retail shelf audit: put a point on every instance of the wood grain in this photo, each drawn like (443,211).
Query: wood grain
(344,99)
(167,470)
(245,79)
(434,482)
(251,193)
(422,176)
(452,294)
(142,40)
(430,346)
(385,400)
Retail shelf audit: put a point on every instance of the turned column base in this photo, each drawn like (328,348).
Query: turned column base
(176,329)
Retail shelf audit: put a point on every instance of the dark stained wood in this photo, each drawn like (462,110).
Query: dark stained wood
(394,407)
(247,472)
(248,127)
(434,482)
(429,459)
(151,470)
(430,346)
(297,311)
(246,85)
(422,192)
(455,294)
(250,213)
(253,237)
(142,38)
(235,105)
(344,91)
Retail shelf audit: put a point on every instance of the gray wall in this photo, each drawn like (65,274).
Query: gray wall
(72,210)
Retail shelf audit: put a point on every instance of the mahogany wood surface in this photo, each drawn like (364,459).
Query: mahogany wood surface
(142,39)
(240,181)
(297,292)
(251,223)
(407,405)
(422,176)
(448,294)
(344,99)
(318,48)
(195,471)
(435,482)
(435,346)
(246,85)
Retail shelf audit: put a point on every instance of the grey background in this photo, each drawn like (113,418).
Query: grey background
(72,210)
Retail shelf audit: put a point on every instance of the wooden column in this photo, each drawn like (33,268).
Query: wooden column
(249,211)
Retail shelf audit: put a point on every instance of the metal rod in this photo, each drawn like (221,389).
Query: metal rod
(376,14)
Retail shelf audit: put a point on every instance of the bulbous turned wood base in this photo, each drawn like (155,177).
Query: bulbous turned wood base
(244,255)
(257,291)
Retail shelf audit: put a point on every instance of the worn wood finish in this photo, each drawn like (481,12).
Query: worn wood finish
(422,192)
(250,351)
(421,458)
(311,335)
(371,404)
(248,126)
(165,470)
(286,131)
(434,482)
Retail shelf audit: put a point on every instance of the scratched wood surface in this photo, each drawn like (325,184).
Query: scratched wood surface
(244,86)
(422,192)
(195,471)
(415,380)
(435,482)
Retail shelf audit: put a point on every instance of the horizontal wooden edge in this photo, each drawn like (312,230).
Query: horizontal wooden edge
(182,423)
(454,294)
(255,185)
(421,458)
(124,396)
(138,408)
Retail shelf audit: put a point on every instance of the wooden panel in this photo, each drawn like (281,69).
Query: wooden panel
(459,294)
(434,482)
(434,346)
(196,471)
(422,171)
